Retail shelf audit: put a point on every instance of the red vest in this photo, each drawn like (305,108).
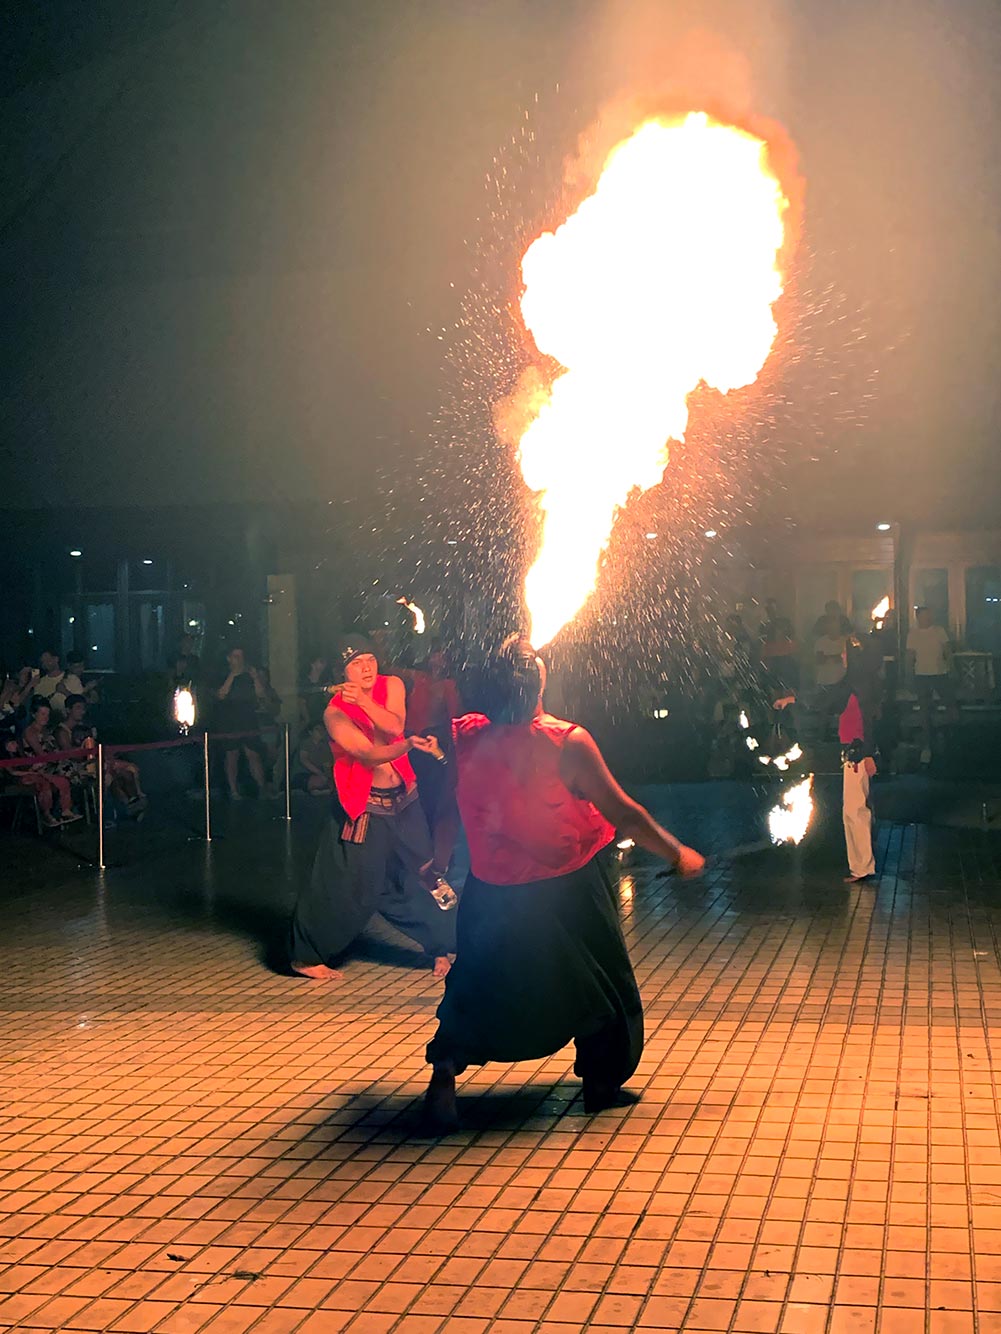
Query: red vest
(353,779)
(522,822)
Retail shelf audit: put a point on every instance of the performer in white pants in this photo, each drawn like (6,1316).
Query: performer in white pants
(859,770)
(856,698)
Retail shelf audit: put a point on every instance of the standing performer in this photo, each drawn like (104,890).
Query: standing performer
(855,699)
(541,956)
(375,854)
(432,703)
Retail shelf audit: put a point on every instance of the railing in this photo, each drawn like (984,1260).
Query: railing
(100,752)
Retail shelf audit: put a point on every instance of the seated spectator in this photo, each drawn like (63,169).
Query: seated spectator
(315,762)
(53,683)
(39,739)
(14,693)
(121,776)
(76,665)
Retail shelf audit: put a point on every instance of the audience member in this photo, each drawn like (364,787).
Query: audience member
(185,666)
(432,703)
(14,694)
(315,691)
(780,652)
(76,665)
(831,651)
(929,653)
(244,692)
(121,776)
(314,762)
(39,739)
(822,624)
(53,683)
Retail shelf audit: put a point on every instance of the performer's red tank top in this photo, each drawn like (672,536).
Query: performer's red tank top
(522,822)
(353,779)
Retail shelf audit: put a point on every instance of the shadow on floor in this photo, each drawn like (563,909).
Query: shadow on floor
(397,1118)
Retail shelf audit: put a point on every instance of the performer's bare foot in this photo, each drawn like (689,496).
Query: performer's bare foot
(319,972)
(442,966)
(441,1116)
(600,1097)
(859,879)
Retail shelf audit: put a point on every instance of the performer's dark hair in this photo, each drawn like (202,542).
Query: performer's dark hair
(509,683)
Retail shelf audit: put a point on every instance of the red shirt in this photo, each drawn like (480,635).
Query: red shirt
(432,704)
(522,822)
(352,779)
(851,724)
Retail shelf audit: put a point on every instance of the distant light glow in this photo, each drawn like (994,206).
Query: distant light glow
(884,527)
(711,532)
(75,552)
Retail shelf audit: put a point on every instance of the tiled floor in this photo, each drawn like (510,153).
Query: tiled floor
(192,1142)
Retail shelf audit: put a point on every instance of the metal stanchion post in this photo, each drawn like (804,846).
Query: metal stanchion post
(100,806)
(288,785)
(208,799)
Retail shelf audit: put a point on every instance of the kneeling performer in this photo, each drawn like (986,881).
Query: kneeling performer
(375,855)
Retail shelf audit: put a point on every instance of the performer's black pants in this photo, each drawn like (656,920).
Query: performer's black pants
(351,882)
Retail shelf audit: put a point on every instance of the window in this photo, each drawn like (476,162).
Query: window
(931,589)
(983,608)
(869,587)
(193,622)
(814,587)
(98,643)
(150,628)
(68,627)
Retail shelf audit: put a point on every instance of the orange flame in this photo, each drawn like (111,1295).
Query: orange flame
(789,821)
(664,278)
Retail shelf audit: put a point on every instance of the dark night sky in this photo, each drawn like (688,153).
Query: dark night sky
(228,225)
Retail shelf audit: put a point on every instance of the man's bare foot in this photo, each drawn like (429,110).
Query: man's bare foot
(441,1116)
(859,879)
(319,972)
(442,965)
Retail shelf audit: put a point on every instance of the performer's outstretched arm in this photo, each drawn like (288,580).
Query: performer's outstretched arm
(584,771)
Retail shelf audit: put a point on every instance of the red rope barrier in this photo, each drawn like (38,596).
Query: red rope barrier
(153,745)
(50,757)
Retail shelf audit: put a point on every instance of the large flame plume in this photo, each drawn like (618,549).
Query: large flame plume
(664,278)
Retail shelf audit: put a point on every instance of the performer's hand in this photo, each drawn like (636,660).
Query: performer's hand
(689,862)
(427,744)
(869,765)
(785,702)
(350,693)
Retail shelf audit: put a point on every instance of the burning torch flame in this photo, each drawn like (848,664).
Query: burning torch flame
(789,821)
(881,610)
(184,708)
(419,621)
(663,279)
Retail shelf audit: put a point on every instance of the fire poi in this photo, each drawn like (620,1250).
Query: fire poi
(664,278)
